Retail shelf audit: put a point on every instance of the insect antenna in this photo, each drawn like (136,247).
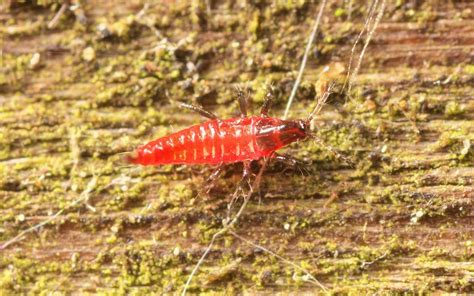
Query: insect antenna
(332,150)
(370,22)
(321,101)
(320,104)
(367,21)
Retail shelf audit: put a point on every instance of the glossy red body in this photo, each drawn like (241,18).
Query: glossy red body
(221,141)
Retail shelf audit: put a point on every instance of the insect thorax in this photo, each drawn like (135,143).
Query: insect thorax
(273,133)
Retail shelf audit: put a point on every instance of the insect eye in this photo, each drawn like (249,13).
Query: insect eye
(302,126)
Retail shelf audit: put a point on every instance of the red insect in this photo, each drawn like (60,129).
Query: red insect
(231,140)
(226,141)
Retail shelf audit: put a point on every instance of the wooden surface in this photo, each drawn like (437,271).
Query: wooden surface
(400,220)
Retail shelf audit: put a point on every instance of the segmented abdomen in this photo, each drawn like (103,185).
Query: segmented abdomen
(212,142)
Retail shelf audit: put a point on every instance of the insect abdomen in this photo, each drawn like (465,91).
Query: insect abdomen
(212,142)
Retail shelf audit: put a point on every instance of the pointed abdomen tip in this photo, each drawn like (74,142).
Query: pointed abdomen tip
(127,158)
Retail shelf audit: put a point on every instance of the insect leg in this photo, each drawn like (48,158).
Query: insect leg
(258,178)
(293,162)
(243,102)
(199,110)
(268,102)
(247,171)
(211,180)
(244,181)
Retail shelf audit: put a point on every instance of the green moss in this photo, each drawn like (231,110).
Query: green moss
(450,140)
(29,28)
(255,24)
(453,109)
(469,69)
(340,12)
